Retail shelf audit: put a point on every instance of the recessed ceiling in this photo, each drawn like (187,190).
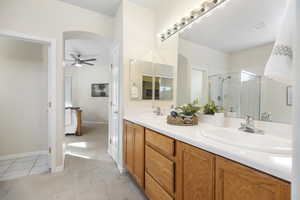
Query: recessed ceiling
(239,25)
(107,7)
(152,4)
(88,48)
(110,7)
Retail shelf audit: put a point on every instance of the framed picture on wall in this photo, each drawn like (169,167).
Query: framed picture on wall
(100,90)
(289,96)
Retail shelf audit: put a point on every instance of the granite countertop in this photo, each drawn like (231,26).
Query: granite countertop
(278,165)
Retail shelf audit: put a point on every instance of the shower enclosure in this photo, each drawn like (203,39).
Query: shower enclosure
(238,93)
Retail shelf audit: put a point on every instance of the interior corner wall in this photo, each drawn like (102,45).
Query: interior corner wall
(94,109)
(296,111)
(138,40)
(24,97)
(202,57)
(50,19)
(252,59)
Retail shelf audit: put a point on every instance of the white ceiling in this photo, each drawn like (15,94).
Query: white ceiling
(152,4)
(110,7)
(107,7)
(239,25)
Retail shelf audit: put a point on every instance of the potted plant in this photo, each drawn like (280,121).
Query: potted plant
(210,108)
(218,111)
(185,114)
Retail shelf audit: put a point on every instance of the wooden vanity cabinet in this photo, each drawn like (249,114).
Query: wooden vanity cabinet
(237,182)
(134,151)
(168,169)
(159,166)
(195,173)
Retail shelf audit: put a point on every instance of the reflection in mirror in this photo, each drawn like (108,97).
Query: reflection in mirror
(151,81)
(147,87)
(226,63)
(164,77)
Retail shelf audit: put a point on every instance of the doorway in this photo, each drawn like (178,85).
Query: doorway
(28,105)
(88,95)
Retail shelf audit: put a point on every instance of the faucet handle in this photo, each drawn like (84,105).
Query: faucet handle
(249,118)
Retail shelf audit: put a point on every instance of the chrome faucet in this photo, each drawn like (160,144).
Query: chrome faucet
(266,116)
(249,126)
(158,111)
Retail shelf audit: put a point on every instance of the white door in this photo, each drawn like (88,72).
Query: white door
(115,105)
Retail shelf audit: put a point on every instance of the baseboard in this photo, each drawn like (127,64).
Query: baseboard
(93,122)
(121,169)
(58,169)
(21,155)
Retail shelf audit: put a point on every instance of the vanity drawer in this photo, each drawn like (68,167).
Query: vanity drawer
(160,168)
(163,143)
(154,191)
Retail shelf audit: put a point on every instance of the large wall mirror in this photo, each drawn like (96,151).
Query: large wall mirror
(225,63)
(151,81)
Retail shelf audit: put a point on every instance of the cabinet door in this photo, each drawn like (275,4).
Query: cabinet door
(236,182)
(129,146)
(139,154)
(194,173)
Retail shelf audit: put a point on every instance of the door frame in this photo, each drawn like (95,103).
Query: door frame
(117,154)
(51,44)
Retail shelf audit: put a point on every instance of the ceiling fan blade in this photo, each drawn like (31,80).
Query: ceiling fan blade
(88,60)
(88,63)
(73,56)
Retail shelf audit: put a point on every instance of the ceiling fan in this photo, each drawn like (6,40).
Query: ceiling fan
(78,62)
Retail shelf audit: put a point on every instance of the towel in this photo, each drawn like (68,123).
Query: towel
(71,121)
(280,64)
(68,117)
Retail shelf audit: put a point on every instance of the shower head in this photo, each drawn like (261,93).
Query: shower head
(225,78)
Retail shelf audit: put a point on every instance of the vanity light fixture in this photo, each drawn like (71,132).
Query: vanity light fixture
(194,15)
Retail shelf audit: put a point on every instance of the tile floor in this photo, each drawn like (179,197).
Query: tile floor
(25,166)
(89,174)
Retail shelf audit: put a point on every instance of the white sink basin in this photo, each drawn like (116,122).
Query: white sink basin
(263,143)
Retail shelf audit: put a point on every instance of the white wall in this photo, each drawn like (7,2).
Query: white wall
(23,104)
(252,60)
(49,19)
(172,11)
(94,109)
(139,35)
(194,56)
(202,57)
(273,97)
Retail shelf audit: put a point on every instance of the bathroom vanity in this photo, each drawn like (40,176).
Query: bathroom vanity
(170,162)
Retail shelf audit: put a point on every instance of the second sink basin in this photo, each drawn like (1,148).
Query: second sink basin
(263,143)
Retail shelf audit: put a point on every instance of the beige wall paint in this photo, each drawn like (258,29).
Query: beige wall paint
(141,43)
(49,19)
(194,56)
(252,59)
(23,104)
(202,57)
(138,33)
(94,109)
